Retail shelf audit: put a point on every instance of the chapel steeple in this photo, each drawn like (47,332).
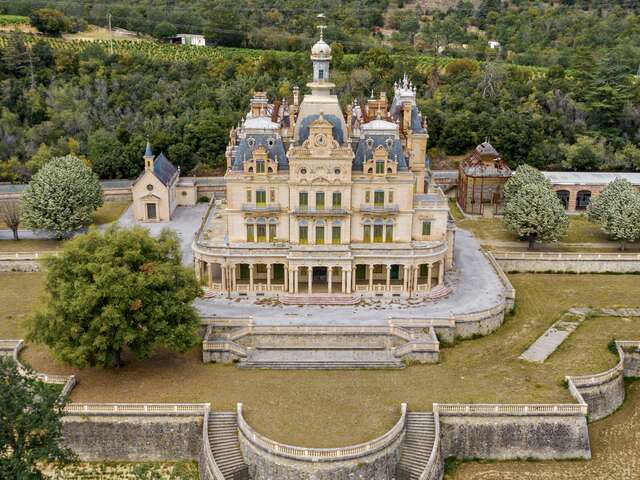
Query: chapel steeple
(321,56)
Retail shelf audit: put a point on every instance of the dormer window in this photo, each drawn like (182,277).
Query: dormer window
(259,166)
(379,167)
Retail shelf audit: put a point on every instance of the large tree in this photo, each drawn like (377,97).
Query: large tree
(61,197)
(524,175)
(10,215)
(30,424)
(617,211)
(536,213)
(116,290)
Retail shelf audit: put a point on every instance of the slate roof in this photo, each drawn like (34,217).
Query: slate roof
(163,169)
(364,151)
(336,131)
(245,150)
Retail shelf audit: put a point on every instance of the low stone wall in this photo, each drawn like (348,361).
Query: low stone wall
(507,432)
(604,392)
(133,437)
(25,266)
(568,262)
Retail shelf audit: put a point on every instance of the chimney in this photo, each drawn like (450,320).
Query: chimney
(296,96)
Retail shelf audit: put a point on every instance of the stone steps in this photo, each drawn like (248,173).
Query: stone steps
(223,437)
(418,443)
(314,358)
(319,299)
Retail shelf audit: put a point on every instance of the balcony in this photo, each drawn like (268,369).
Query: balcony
(325,212)
(261,207)
(388,208)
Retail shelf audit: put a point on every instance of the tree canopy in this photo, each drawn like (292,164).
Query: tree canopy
(30,424)
(535,212)
(617,210)
(61,197)
(115,290)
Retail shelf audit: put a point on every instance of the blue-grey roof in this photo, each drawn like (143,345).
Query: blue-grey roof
(245,150)
(147,151)
(416,116)
(336,131)
(163,169)
(364,151)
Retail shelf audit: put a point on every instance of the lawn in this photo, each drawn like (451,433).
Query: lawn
(109,212)
(19,295)
(126,471)
(330,408)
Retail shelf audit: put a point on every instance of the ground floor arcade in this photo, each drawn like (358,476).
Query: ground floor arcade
(295,277)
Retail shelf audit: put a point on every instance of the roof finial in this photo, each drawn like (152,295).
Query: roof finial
(321,27)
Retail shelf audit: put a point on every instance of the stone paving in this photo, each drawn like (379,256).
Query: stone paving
(478,287)
(185,222)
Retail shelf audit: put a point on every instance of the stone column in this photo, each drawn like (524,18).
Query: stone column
(405,279)
(388,278)
(223,277)
(371,278)
(430,270)
(296,279)
(329,278)
(353,279)
(198,268)
(285,267)
(268,276)
(416,272)
(309,280)
(233,277)
(251,277)
(441,273)
(343,276)
(348,281)
(209,274)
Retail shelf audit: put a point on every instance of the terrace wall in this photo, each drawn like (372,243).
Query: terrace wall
(134,437)
(568,262)
(506,432)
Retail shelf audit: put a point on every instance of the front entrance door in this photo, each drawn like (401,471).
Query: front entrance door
(395,272)
(151,211)
(319,274)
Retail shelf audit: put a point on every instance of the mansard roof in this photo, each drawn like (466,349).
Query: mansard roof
(271,142)
(338,134)
(368,145)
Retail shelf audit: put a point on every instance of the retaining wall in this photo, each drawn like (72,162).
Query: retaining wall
(631,358)
(134,438)
(501,435)
(19,265)
(568,262)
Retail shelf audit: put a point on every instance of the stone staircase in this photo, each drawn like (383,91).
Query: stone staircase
(418,443)
(223,437)
(320,358)
(319,299)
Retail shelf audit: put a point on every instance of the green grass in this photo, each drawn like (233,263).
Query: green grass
(126,471)
(6,20)
(109,212)
(19,295)
(332,408)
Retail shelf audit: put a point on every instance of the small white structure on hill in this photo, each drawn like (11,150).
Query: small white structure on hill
(189,39)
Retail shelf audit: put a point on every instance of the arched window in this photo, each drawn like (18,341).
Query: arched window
(582,199)
(319,232)
(563,195)
(379,167)
(273,229)
(251,230)
(303,232)
(336,232)
(366,229)
(388,233)
(378,231)
(261,229)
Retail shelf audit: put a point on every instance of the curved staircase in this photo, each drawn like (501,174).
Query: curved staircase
(223,437)
(320,299)
(418,443)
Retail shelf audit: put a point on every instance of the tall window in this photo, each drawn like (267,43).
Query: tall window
(303,200)
(337,199)
(377,233)
(261,197)
(379,167)
(262,232)
(272,232)
(250,237)
(388,234)
(336,234)
(366,236)
(319,233)
(319,200)
(320,74)
(378,198)
(426,228)
(303,233)
(259,166)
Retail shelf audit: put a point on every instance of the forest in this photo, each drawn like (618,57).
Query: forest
(59,97)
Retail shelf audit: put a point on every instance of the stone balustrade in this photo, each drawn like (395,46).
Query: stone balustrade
(4,256)
(435,466)
(568,262)
(137,409)
(322,454)
(475,409)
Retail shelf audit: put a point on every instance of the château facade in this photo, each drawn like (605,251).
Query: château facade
(324,201)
